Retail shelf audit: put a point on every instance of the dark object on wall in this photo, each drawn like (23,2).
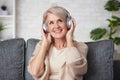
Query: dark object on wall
(4,8)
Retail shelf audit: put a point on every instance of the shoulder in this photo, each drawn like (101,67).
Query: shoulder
(82,47)
(80,44)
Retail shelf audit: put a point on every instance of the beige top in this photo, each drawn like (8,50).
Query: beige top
(56,59)
(65,64)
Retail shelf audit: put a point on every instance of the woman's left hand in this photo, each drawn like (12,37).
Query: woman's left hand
(69,35)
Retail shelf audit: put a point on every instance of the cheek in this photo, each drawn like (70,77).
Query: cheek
(65,28)
(65,31)
(50,29)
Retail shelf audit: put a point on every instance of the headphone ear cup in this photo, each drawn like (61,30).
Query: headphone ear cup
(69,22)
(45,28)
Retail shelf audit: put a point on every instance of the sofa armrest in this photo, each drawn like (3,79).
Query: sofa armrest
(116,69)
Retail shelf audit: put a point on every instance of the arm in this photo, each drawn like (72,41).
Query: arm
(36,63)
(76,59)
(75,54)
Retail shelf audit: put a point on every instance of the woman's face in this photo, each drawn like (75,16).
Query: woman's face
(57,26)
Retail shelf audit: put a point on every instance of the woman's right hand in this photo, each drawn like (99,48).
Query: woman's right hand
(47,39)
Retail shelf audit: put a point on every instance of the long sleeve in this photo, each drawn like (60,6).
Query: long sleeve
(76,63)
(43,74)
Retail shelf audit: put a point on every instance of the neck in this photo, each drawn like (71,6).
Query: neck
(60,43)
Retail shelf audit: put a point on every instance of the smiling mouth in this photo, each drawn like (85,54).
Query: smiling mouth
(58,30)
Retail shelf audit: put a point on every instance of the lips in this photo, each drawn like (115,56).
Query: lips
(58,30)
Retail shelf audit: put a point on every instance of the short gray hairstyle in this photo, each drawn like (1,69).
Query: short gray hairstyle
(58,11)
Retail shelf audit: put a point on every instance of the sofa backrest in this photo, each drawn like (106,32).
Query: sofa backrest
(14,56)
(30,46)
(12,59)
(100,59)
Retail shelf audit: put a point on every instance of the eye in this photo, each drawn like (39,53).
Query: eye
(60,20)
(51,22)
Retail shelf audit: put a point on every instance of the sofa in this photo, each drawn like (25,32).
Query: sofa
(15,54)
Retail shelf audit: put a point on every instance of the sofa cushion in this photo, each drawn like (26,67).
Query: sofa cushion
(100,60)
(31,43)
(12,59)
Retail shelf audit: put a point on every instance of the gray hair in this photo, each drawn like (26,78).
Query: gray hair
(58,11)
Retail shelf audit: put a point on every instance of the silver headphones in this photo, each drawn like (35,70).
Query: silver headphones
(68,22)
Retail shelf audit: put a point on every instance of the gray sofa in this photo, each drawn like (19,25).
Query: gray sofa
(15,54)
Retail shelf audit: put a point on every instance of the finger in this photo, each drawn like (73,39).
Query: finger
(49,36)
(74,22)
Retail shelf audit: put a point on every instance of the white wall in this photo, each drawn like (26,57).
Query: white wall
(7,33)
(88,14)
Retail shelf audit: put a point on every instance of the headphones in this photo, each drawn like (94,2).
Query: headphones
(68,23)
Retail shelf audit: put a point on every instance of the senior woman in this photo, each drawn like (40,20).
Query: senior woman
(58,56)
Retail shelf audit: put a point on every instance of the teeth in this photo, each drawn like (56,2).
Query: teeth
(58,31)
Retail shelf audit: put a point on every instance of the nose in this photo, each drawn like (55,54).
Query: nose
(56,25)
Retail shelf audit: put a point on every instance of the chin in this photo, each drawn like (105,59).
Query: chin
(59,36)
